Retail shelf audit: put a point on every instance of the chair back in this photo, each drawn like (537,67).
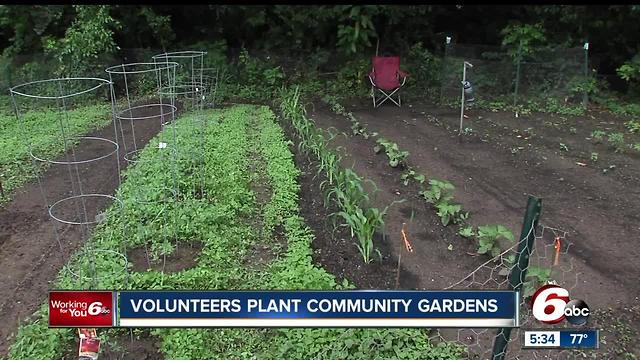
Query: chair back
(385,71)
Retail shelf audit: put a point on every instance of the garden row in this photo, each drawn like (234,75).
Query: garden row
(222,219)
(37,127)
(494,240)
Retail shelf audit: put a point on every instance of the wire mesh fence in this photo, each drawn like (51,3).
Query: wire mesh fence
(549,262)
(515,78)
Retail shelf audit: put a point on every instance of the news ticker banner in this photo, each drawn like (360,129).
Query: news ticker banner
(350,308)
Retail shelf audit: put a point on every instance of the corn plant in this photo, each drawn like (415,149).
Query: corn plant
(348,191)
(363,225)
(488,236)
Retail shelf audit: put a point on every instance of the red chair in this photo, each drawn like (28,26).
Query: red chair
(387,78)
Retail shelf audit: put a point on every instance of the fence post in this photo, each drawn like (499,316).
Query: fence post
(585,94)
(519,271)
(443,75)
(519,59)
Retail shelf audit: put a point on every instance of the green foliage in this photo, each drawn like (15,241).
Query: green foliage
(536,277)
(630,70)
(160,26)
(633,126)
(564,147)
(357,28)
(450,212)
(616,140)
(363,224)
(90,35)
(425,68)
(594,156)
(466,231)
(411,174)
(598,135)
(42,129)
(488,236)
(257,79)
(580,84)
(522,40)
(439,192)
(396,156)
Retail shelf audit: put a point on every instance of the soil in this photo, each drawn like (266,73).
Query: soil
(494,169)
(333,248)
(184,256)
(30,255)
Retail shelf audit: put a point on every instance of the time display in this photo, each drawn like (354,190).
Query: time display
(540,338)
(565,338)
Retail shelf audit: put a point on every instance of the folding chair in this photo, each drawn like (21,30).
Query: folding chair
(387,78)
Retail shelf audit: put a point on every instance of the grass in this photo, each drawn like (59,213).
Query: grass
(40,128)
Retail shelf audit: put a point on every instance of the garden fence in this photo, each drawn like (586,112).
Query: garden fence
(545,75)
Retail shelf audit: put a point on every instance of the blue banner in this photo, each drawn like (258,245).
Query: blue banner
(355,308)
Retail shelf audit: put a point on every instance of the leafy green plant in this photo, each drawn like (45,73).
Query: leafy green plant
(594,156)
(636,147)
(522,40)
(598,135)
(363,224)
(412,175)
(448,212)
(616,140)
(564,147)
(394,154)
(439,192)
(466,231)
(536,277)
(633,126)
(488,236)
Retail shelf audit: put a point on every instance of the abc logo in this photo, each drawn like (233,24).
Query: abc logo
(551,304)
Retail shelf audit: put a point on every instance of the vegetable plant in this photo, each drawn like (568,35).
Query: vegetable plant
(412,175)
(391,149)
(536,277)
(488,236)
(617,141)
(598,135)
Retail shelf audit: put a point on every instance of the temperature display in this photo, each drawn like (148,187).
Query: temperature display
(584,339)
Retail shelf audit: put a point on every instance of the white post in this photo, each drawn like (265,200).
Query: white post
(464,77)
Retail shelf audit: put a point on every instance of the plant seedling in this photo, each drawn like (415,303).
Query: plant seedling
(488,236)
(598,136)
(617,141)
(564,147)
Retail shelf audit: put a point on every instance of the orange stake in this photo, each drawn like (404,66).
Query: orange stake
(557,245)
(407,244)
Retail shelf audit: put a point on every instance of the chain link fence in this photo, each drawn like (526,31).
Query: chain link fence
(557,75)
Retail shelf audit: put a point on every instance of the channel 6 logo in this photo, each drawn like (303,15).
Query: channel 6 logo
(551,304)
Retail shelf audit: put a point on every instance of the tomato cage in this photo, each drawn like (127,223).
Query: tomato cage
(139,103)
(190,82)
(82,170)
(190,89)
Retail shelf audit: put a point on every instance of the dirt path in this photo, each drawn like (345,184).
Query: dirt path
(30,256)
